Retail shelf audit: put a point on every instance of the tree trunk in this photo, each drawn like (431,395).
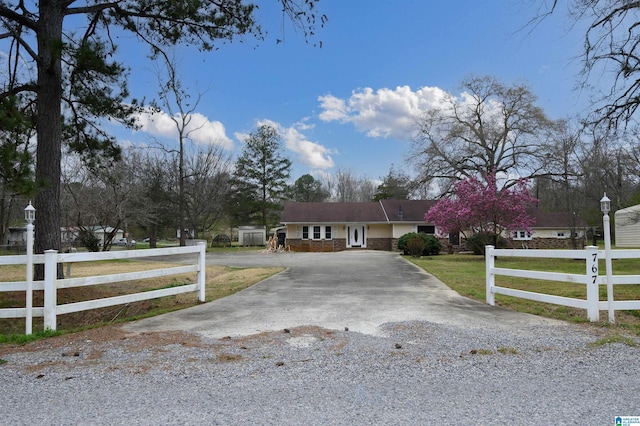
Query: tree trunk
(49,130)
(153,236)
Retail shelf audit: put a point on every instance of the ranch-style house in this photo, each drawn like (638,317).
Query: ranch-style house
(333,227)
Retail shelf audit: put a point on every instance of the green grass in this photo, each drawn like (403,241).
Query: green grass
(614,338)
(466,275)
(21,339)
(220,282)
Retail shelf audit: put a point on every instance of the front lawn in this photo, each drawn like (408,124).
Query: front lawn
(466,275)
(221,281)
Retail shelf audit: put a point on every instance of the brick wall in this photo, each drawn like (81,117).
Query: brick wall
(384,244)
(535,243)
(337,244)
(548,243)
(391,244)
(297,244)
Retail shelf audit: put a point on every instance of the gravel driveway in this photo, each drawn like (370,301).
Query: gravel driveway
(429,371)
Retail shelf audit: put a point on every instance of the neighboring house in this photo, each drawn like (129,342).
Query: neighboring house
(342,226)
(17,235)
(69,235)
(552,230)
(627,227)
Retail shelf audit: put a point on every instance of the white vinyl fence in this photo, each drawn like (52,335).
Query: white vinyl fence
(51,284)
(591,278)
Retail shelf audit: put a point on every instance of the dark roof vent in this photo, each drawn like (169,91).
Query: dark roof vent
(400,213)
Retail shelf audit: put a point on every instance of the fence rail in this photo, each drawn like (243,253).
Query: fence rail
(591,278)
(51,284)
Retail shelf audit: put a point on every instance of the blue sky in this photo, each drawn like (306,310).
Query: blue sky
(352,103)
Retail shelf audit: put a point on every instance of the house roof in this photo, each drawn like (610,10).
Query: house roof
(554,219)
(396,211)
(407,210)
(384,211)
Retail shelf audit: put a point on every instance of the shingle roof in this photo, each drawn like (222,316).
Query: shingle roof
(412,210)
(384,211)
(387,211)
(553,219)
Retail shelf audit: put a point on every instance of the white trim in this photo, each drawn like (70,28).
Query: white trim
(355,229)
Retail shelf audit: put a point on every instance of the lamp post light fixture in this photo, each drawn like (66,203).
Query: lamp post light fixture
(29,217)
(605,207)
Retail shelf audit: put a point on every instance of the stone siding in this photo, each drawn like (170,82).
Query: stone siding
(547,243)
(336,244)
(391,244)
(535,243)
(298,244)
(384,244)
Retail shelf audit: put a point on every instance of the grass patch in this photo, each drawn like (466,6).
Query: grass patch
(220,282)
(466,275)
(224,358)
(614,338)
(481,352)
(22,339)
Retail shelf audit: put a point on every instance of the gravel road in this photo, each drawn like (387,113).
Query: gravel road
(418,373)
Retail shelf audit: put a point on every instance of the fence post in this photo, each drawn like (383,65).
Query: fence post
(50,290)
(202,258)
(28,319)
(593,283)
(491,278)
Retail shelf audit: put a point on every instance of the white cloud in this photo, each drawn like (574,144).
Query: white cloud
(309,153)
(335,109)
(383,113)
(242,137)
(200,129)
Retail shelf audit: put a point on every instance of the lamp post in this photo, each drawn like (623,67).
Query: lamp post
(605,207)
(29,217)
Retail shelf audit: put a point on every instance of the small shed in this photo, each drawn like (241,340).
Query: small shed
(627,227)
(252,236)
(17,236)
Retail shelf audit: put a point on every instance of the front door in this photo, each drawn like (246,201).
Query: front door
(356,236)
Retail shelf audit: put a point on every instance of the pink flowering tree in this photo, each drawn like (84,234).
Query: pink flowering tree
(481,208)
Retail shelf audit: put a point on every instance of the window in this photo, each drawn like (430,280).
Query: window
(316,232)
(427,229)
(521,235)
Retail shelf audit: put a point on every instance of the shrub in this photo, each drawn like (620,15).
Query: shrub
(89,240)
(479,240)
(415,246)
(431,245)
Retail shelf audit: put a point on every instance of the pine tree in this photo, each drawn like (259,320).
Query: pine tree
(260,179)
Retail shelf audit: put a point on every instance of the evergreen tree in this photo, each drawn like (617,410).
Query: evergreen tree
(306,190)
(260,179)
(74,78)
(396,185)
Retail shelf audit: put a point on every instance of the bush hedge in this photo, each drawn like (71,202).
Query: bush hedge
(431,246)
(479,240)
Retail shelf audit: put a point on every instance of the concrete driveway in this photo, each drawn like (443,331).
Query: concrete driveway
(360,290)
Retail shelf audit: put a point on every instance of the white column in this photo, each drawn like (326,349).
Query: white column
(490,276)
(607,258)
(593,284)
(202,278)
(50,289)
(29,278)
